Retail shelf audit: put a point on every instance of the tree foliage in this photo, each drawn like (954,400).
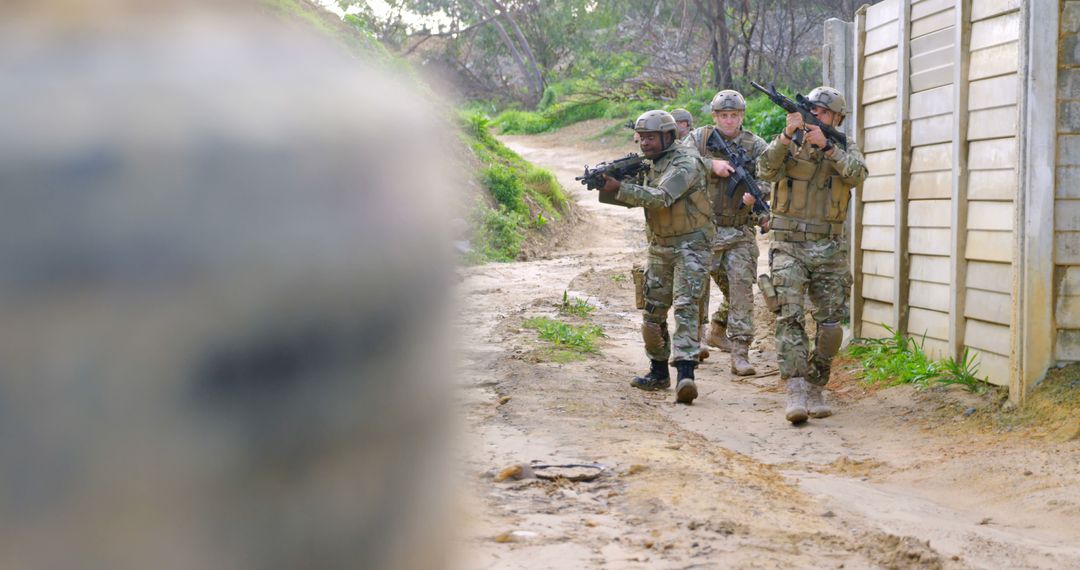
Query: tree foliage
(518,50)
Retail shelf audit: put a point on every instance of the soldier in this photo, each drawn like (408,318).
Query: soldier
(735,249)
(808,252)
(680,230)
(684,123)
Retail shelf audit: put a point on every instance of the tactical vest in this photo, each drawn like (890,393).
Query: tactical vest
(726,209)
(689,214)
(811,201)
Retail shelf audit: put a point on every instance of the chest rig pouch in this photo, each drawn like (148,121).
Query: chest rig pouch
(688,214)
(811,191)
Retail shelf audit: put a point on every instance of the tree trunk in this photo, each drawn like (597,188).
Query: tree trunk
(529,80)
(538,78)
(721,47)
(713,14)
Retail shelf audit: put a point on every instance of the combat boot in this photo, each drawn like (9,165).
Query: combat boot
(718,337)
(815,401)
(685,389)
(658,377)
(703,348)
(740,359)
(796,400)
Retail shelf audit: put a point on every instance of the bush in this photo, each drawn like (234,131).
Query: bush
(506,187)
(497,235)
(574,111)
(898,359)
(499,232)
(764,118)
(519,122)
(545,189)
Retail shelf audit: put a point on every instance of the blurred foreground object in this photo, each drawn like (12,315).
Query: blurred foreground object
(217,259)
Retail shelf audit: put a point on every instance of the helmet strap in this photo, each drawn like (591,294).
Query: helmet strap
(668,143)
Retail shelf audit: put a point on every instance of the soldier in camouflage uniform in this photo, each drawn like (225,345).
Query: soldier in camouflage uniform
(680,230)
(809,249)
(735,249)
(684,123)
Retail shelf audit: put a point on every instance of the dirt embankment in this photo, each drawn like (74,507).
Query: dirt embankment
(896,479)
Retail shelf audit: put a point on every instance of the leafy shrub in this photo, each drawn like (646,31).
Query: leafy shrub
(899,359)
(545,189)
(764,118)
(520,122)
(579,338)
(497,234)
(506,187)
(577,306)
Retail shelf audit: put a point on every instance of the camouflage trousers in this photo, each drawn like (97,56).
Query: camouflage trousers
(734,268)
(818,268)
(675,275)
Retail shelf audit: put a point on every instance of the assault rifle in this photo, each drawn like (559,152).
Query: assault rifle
(741,175)
(802,105)
(620,169)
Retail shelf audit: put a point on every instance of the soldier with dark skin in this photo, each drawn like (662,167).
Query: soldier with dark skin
(735,249)
(680,229)
(808,253)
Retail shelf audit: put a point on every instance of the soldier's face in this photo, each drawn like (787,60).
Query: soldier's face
(826,116)
(652,143)
(729,122)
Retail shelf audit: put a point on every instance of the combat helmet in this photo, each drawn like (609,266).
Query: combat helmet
(728,100)
(655,121)
(829,98)
(682,115)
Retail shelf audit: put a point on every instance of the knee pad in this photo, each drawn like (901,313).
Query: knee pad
(655,335)
(829,337)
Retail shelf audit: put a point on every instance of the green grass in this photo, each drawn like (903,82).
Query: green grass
(579,339)
(578,307)
(506,187)
(497,233)
(526,196)
(900,359)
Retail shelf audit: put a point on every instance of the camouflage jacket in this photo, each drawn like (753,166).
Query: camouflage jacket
(673,194)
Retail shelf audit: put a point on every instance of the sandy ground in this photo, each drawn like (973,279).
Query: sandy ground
(896,479)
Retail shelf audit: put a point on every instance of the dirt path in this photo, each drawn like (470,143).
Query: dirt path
(896,479)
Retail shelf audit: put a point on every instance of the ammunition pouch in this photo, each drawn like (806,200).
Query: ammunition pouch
(637,272)
(768,292)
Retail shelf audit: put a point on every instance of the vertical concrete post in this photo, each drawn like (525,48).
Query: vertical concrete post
(903,167)
(837,62)
(855,124)
(1033,270)
(958,231)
